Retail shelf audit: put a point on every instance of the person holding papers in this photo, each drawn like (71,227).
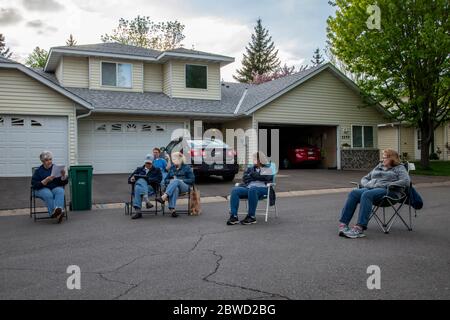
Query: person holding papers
(48,181)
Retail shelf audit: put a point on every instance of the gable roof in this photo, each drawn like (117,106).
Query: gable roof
(6,60)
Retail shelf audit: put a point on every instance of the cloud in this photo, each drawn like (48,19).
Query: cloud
(41,27)
(42,5)
(9,16)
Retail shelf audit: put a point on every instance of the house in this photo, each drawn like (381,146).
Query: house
(100,104)
(407,140)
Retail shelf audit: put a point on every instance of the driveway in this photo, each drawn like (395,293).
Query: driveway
(297,256)
(14,192)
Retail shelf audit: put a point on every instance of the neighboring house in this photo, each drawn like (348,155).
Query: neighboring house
(109,104)
(407,140)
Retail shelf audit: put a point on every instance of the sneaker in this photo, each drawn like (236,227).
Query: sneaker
(248,220)
(137,214)
(354,233)
(343,228)
(59,215)
(174,214)
(232,221)
(149,204)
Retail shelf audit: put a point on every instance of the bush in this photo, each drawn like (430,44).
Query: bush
(434,156)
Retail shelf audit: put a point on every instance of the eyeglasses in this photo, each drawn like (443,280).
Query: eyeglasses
(49,159)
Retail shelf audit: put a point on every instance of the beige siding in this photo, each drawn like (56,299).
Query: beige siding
(179,90)
(322,100)
(407,143)
(153,77)
(75,72)
(20,94)
(167,79)
(95,75)
(388,138)
(59,72)
(440,140)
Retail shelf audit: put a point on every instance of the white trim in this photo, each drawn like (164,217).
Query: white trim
(171,113)
(338,148)
(48,83)
(185,76)
(238,107)
(117,74)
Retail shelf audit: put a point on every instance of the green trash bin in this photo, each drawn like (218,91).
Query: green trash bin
(81,187)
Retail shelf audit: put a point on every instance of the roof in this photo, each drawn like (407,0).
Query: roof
(114,48)
(6,60)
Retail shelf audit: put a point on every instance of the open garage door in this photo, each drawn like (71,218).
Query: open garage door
(306,146)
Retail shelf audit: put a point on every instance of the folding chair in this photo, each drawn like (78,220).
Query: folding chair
(184,195)
(267,209)
(129,209)
(34,213)
(383,219)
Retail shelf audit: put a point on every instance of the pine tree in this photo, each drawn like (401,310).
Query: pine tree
(317,58)
(4,51)
(71,41)
(261,56)
(37,59)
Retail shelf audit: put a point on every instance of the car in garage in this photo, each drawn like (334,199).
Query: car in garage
(203,156)
(303,155)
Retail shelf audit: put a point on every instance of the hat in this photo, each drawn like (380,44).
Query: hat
(149,159)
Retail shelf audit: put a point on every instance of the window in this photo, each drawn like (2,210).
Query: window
(117,127)
(35,123)
(2,121)
(146,128)
(101,128)
(196,76)
(131,127)
(117,74)
(160,128)
(17,122)
(363,137)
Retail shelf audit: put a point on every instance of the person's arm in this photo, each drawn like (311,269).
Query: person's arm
(36,181)
(248,176)
(135,172)
(266,178)
(189,177)
(365,180)
(169,176)
(156,177)
(404,181)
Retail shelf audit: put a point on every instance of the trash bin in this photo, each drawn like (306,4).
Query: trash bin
(81,187)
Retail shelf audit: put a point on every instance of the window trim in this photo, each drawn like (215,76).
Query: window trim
(185,76)
(117,74)
(363,142)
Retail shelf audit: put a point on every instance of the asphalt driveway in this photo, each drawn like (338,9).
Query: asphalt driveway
(297,256)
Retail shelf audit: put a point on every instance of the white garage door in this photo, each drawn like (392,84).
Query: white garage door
(23,138)
(119,147)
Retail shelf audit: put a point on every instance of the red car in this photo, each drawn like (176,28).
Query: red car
(303,155)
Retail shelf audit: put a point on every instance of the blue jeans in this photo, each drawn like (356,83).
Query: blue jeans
(252,194)
(365,197)
(53,198)
(174,189)
(141,188)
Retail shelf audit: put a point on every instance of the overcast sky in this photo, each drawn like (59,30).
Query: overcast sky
(222,27)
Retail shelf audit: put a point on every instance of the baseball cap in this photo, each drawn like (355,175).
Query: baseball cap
(149,159)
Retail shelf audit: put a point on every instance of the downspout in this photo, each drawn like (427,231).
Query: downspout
(76,133)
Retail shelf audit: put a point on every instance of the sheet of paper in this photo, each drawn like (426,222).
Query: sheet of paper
(56,170)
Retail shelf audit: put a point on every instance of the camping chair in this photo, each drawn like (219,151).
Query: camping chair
(267,208)
(386,221)
(129,209)
(37,215)
(183,196)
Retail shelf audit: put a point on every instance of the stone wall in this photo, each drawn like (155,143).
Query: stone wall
(359,159)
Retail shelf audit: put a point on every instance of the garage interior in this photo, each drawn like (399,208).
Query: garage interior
(296,136)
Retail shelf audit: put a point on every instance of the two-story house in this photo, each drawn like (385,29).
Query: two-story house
(109,104)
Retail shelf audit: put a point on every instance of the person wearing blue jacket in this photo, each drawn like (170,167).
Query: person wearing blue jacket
(179,180)
(48,188)
(144,179)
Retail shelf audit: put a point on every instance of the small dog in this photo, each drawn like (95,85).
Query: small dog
(195,208)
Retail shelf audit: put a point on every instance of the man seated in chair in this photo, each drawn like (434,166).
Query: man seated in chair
(374,186)
(143,178)
(254,188)
(180,179)
(48,188)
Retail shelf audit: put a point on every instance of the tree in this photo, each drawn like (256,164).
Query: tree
(4,51)
(277,74)
(37,59)
(143,32)
(400,51)
(261,56)
(71,41)
(317,58)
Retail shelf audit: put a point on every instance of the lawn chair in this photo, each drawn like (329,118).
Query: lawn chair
(184,196)
(37,215)
(267,209)
(129,209)
(382,218)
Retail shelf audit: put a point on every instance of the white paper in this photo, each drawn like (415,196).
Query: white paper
(56,171)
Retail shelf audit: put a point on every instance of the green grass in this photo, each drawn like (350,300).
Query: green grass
(438,168)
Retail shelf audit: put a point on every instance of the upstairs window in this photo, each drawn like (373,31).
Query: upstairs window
(117,74)
(196,77)
(363,137)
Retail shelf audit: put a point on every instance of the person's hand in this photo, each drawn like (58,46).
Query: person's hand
(48,180)
(133,179)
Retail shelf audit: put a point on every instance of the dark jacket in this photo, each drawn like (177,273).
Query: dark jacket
(185,174)
(153,177)
(252,174)
(40,174)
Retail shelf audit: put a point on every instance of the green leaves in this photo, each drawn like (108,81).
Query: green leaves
(37,59)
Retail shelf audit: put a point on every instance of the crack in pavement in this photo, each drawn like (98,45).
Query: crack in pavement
(224,284)
(202,236)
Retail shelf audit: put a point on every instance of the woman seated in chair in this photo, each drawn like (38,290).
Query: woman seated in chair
(144,179)
(48,188)
(254,188)
(374,186)
(180,179)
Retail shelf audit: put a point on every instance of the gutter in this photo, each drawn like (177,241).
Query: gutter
(166,113)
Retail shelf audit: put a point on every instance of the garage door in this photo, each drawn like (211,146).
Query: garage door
(119,147)
(23,138)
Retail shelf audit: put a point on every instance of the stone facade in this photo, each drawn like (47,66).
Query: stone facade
(359,159)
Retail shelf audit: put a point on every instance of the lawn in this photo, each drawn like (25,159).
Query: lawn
(438,168)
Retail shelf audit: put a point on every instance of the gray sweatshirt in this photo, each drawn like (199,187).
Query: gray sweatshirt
(381,177)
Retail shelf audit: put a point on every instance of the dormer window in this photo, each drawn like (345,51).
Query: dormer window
(117,75)
(196,76)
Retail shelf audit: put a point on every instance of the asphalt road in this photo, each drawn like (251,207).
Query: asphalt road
(297,256)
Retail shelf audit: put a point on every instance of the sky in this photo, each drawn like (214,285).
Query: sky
(297,27)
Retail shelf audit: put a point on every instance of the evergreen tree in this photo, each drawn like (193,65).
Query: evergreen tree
(261,56)
(317,58)
(4,51)
(37,59)
(71,41)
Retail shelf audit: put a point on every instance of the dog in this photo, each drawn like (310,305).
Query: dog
(195,206)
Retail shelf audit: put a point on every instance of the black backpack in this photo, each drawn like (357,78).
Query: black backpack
(415,200)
